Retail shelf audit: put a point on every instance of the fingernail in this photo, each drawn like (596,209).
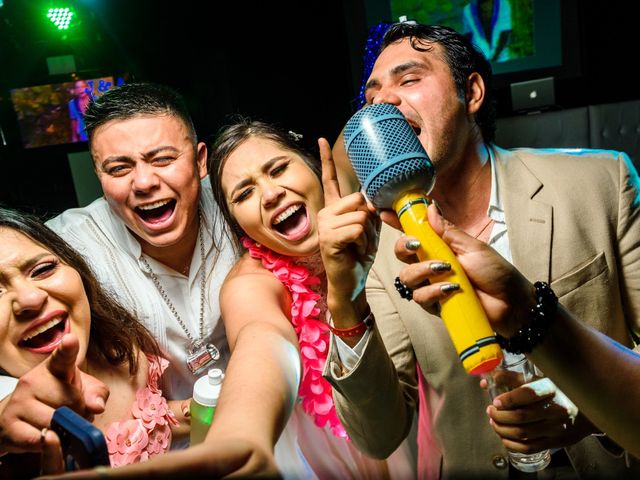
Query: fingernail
(440,266)
(497,403)
(100,401)
(450,287)
(412,244)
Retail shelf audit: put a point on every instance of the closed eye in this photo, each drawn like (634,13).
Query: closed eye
(45,269)
(409,81)
(117,170)
(162,160)
(278,169)
(243,195)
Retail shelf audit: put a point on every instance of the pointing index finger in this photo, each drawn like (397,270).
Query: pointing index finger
(329,174)
(62,363)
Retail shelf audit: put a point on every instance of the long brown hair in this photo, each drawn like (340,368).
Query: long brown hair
(115,334)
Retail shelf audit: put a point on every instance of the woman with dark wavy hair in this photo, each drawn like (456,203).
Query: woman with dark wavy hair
(52,307)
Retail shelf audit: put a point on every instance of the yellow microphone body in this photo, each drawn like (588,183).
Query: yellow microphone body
(461,312)
(396,172)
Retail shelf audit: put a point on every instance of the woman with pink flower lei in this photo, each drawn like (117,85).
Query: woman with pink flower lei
(57,321)
(307,254)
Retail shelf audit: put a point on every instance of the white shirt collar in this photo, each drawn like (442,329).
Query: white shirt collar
(495,210)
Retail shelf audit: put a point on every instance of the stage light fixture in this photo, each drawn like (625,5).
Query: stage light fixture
(61,17)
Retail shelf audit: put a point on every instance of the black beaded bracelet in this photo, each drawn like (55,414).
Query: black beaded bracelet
(542,314)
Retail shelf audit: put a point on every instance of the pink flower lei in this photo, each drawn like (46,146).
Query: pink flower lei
(313,334)
(149,432)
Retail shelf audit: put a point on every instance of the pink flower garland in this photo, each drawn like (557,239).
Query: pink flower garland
(313,334)
(149,433)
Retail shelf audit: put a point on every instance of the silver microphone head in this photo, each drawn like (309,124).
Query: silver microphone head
(386,154)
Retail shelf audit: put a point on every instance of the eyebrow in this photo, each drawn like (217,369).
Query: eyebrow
(150,154)
(395,71)
(29,263)
(247,181)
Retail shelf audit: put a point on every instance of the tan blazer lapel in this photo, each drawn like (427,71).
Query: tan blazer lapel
(529,219)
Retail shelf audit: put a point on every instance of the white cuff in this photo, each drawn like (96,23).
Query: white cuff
(349,356)
(7,386)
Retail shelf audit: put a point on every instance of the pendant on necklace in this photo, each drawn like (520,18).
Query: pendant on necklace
(201,355)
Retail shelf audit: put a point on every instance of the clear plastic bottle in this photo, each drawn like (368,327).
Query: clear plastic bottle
(206,391)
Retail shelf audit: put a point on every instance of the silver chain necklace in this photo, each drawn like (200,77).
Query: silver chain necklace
(201,354)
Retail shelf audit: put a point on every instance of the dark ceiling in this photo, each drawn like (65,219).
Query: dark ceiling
(283,59)
(278,61)
(295,63)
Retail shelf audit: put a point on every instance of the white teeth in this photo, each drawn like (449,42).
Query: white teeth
(151,206)
(287,213)
(42,328)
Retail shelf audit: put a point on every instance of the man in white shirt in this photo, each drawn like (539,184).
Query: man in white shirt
(118,258)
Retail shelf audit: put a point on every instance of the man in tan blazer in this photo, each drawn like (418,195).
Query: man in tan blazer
(570,218)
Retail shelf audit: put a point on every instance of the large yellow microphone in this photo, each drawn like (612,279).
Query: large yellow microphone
(396,172)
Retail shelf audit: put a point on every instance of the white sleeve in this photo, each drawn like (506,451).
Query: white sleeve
(7,385)
(350,356)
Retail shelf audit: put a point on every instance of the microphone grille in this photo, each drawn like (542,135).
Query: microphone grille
(386,154)
(395,176)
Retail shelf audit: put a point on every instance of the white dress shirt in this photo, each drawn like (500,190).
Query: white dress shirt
(114,255)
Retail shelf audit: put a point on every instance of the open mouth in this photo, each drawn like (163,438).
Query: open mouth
(45,337)
(415,127)
(293,223)
(156,212)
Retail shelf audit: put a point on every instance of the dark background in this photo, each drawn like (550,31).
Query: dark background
(297,64)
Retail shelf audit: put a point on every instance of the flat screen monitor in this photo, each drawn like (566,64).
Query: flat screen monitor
(515,35)
(53,114)
(523,39)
